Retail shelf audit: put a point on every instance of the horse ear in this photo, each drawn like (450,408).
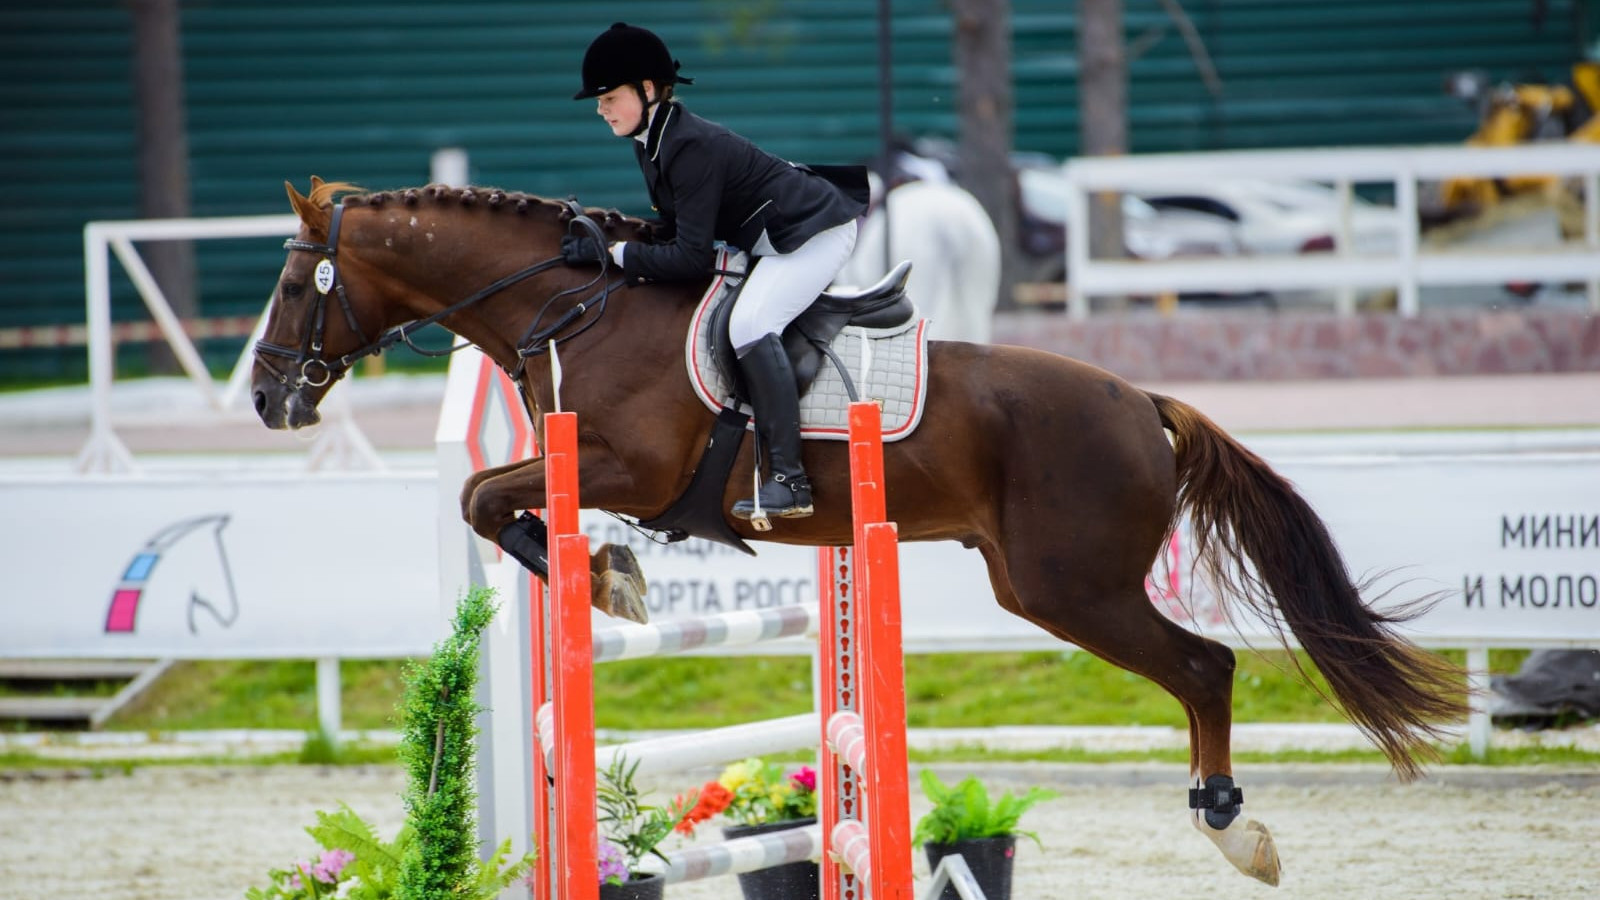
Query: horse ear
(316,182)
(309,213)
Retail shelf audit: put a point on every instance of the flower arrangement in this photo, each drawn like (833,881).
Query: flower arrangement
(354,862)
(755,792)
(629,828)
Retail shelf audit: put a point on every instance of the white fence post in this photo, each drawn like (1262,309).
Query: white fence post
(1591,229)
(330,712)
(104,451)
(1405,204)
(1479,724)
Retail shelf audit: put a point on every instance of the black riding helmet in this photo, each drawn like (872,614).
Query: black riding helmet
(624,54)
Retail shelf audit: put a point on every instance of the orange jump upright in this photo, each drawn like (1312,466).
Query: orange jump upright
(865,807)
(571,643)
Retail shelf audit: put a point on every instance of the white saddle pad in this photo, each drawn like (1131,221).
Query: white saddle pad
(889,365)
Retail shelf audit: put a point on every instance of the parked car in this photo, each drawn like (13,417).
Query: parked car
(1149,232)
(1284,217)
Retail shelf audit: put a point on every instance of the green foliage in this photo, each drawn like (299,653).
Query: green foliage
(436,745)
(626,821)
(955,690)
(320,749)
(435,854)
(369,872)
(965,812)
(276,694)
(376,862)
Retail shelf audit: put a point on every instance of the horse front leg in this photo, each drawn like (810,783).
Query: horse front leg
(495,503)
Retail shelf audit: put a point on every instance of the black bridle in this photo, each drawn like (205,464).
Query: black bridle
(307,362)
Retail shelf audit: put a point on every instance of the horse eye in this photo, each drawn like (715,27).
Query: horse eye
(292,290)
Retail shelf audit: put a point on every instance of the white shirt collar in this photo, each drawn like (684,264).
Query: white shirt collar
(643,136)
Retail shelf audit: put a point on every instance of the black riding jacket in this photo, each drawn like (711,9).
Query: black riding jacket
(709,184)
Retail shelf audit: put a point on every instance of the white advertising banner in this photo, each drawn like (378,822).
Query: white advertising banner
(291,565)
(1509,542)
(1507,545)
(306,565)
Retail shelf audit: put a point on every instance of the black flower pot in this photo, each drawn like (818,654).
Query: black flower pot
(639,886)
(989,859)
(790,881)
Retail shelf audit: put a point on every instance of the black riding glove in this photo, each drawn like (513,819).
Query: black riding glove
(583,250)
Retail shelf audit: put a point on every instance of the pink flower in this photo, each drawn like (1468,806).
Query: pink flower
(330,865)
(805,779)
(613,863)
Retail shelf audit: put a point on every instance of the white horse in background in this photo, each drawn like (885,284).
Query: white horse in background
(954,252)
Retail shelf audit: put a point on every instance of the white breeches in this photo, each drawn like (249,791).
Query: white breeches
(784,284)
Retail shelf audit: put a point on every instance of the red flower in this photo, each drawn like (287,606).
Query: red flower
(714,798)
(805,779)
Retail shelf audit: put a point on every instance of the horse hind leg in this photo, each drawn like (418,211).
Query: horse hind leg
(1199,673)
(1122,627)
(1244,842)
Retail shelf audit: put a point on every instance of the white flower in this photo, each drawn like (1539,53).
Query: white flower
(348,885)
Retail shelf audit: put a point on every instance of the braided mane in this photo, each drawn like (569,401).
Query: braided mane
(613,222)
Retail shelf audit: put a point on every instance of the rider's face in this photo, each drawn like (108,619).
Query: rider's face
(621,108)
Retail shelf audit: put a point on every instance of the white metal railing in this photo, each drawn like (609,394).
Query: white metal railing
(104,451)
(340,443)
(1407,269)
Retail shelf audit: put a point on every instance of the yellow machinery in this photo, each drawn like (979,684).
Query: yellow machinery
(1516,114)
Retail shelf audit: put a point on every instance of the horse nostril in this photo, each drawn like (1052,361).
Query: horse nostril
(261,402)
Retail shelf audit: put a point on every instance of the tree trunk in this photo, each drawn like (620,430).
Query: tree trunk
(1102,112)
(983,68)
(163,156)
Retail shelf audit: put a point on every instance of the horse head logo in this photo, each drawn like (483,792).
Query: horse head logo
(194,560)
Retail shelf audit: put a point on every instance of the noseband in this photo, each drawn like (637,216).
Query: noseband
(308,368)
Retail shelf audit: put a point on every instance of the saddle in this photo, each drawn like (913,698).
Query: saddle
(809,337)
(884,306)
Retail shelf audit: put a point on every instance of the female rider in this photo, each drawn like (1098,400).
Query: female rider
(709,184)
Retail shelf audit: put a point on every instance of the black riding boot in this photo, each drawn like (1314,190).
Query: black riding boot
(528,541)
(785,492)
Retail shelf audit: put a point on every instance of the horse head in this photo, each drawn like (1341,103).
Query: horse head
(299,355)
(365,264)
(366,270)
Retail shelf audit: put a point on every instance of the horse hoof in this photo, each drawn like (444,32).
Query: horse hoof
(615,596)
(618,559)
(1248,845)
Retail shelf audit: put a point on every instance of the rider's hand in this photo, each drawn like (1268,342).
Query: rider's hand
(582,250)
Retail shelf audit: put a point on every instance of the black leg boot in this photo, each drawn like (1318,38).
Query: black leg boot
(528,541)
(785,492)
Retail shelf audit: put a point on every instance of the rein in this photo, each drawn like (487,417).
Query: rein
(308,357)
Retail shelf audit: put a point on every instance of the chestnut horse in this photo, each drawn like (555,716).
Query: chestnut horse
(1062,475)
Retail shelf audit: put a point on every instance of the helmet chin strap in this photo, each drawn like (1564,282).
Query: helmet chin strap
(645,105)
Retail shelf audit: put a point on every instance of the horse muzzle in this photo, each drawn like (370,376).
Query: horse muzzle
(280,407)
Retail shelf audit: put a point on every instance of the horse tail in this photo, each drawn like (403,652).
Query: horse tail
(1258,539)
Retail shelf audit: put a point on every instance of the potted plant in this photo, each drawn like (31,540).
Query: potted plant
(629,830)
(964,820)
(757,797)
(435,853)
